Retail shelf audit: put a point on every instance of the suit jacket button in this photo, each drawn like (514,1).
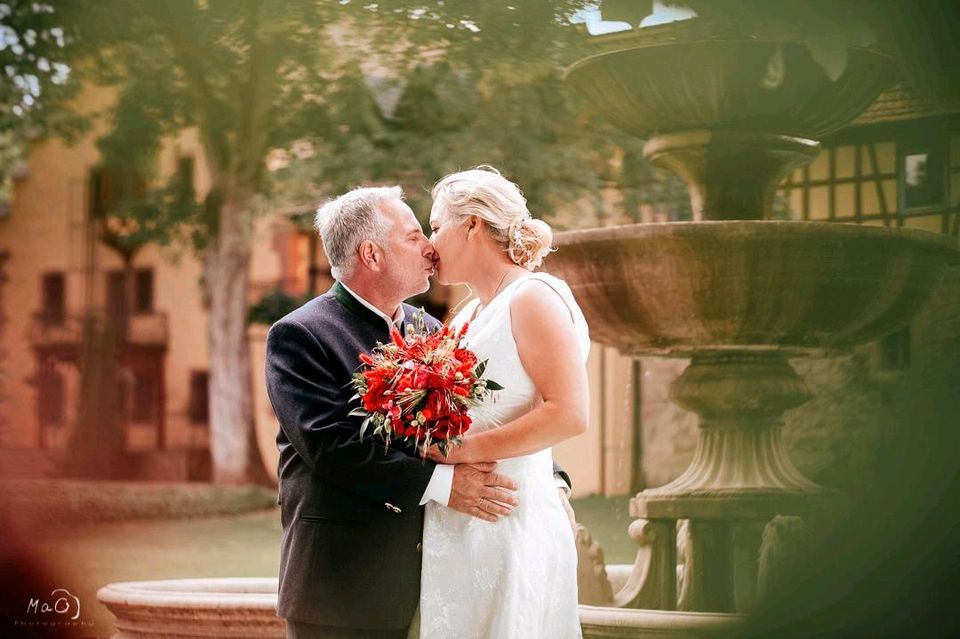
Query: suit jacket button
(419,546)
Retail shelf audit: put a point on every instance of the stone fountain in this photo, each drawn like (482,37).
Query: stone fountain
(732,111)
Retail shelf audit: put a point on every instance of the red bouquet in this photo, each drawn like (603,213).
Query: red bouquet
(419,388)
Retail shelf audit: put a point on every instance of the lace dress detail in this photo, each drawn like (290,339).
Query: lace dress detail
(516,577)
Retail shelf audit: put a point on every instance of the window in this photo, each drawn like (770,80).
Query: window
(199,409)
(143,301)
(52,397)
(109,187)
(142,292)
(922,172)
(125,383)
(116,295)
(53,297)
(145,398)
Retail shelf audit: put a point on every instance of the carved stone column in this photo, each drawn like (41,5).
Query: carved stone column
(713,163)
(740,476)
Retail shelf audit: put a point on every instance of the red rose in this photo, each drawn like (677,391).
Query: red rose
(460,424)
(373,398)
(436,406)
(467,360)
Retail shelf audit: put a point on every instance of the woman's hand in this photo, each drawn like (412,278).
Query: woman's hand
(466,453)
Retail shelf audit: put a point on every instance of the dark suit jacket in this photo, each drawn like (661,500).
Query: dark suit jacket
(350,512)
(352,523)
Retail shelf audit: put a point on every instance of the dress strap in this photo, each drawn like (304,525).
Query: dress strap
(555,285)
(563,291)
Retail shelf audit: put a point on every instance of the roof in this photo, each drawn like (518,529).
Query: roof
(900,102)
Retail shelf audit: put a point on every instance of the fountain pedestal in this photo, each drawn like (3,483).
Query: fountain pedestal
(712,165)
(740,477)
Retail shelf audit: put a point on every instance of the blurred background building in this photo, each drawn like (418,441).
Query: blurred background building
(897,165)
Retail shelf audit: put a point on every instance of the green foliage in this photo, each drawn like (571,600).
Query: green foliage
(11,154)
(33,42)
(273,306)
(453,115)
(480,83)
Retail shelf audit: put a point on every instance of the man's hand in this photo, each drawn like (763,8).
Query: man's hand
(480,492)
(567,507)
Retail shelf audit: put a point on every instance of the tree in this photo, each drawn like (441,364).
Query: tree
(457,112)
(33,43)
(251,76)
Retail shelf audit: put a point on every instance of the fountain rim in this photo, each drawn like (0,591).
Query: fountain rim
(120,597)
(667,142)
(794,228)
(161,593)
(653,619)
(593,58)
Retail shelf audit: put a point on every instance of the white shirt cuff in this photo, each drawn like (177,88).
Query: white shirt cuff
(562,484)
(438,489)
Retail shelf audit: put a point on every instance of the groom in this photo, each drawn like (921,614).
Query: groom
(351,509)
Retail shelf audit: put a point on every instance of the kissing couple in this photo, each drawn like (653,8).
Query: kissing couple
(380,541)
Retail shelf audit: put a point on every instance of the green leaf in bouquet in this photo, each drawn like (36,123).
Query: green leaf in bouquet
(492,385)
(482,366)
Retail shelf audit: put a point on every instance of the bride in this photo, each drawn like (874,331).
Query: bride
(516,577)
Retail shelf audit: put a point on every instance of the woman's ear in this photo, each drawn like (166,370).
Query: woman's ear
(370,255)
(473,226)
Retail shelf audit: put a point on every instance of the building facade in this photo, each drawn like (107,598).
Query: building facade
(898,165)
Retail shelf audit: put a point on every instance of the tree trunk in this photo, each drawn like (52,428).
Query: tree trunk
(97,442)
(233,450)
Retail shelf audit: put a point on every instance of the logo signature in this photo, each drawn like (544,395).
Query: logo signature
(61,603)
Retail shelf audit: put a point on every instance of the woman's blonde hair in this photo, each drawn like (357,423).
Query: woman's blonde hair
(484,192)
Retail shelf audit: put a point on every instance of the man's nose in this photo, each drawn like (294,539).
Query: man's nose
(428,250)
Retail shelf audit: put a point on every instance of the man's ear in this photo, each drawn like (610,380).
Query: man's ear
(370,255)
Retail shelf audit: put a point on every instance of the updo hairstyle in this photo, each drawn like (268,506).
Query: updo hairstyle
(484,192)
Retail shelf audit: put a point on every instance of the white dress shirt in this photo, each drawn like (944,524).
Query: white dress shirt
(438,489)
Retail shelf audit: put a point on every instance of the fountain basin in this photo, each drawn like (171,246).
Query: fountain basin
(599,621)
(698,81)
(242,608)
(236,608)
(680,288)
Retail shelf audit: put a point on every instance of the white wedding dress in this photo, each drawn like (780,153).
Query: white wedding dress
(516,578)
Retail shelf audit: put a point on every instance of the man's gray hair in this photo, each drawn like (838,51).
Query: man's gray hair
(348,220)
